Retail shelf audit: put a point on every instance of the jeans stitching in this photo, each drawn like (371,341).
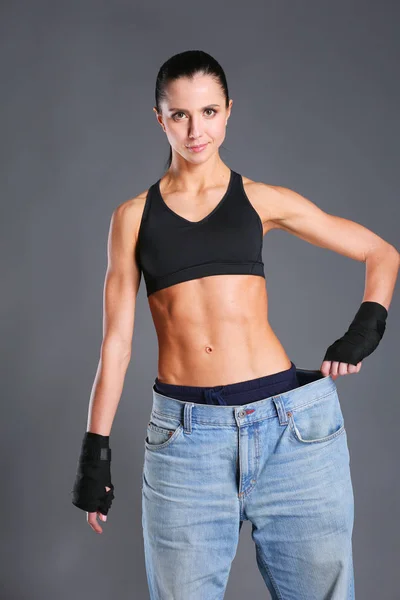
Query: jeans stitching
(273,581)
(351,589)
(338,433)
(314,401)
(292,425)
(265,417)
(167,442)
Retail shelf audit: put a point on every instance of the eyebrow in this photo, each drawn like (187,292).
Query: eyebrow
(184,109)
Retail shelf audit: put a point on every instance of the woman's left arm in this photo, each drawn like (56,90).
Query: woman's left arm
(297,215)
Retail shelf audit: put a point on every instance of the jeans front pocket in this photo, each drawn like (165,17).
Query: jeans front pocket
(319,421)
(162,431)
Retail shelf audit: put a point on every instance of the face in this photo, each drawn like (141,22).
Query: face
(194,113)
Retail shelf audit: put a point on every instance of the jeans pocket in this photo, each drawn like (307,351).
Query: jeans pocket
(319,421)
(162,431)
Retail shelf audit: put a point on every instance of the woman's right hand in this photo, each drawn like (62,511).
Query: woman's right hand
(93,490)
(92,518)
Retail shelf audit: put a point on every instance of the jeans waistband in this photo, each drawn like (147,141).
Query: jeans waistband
(313,386)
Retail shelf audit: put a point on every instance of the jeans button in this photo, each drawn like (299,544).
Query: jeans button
(242,413)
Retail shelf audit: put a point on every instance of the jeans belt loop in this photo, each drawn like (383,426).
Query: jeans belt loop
(187,417)
(281,410)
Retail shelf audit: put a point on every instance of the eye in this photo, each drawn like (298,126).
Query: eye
(182,113)
(177,113)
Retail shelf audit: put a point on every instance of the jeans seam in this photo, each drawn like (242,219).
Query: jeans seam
(217,424)
(339,433)
(351,589)
(311,402)
(272,578)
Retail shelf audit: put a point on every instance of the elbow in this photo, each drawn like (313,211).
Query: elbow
(395,253)
(384,249)
(116,349)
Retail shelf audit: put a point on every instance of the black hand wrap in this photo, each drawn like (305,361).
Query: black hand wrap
(362,337)
(93,475)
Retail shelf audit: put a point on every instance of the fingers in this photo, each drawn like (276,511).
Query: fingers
(335,368)
(325,367)
(92,518)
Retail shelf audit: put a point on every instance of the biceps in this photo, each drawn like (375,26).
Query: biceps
(301,217)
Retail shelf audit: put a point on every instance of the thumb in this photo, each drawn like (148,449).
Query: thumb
(104,517)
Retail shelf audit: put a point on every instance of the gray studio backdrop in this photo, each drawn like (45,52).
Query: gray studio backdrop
(316,95)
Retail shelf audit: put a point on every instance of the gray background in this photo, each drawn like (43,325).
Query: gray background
(316,95)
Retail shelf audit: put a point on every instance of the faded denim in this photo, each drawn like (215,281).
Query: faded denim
(281,462)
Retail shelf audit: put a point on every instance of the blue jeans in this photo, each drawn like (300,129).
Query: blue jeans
(281,462)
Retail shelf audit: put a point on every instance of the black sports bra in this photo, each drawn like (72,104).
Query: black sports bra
(170,249)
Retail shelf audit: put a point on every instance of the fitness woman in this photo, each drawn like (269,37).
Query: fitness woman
(236,431)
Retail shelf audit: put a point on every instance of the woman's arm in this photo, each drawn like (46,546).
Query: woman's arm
(121,286)
(297,215)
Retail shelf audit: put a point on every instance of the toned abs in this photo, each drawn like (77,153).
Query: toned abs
(215,330)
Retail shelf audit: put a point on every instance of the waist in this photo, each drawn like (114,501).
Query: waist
(239,393)
(312,386)
(193,358)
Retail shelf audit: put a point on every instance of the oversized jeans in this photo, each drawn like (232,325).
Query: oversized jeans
(281,462)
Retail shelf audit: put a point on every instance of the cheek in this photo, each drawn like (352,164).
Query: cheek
(220,127)
(175,136)
(215,131)
(219,133)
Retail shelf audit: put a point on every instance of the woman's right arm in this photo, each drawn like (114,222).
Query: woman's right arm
(93,490)
(121,286)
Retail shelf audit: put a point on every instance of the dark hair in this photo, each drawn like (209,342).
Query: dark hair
(188,64)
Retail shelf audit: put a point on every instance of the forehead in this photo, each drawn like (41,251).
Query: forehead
(202,89)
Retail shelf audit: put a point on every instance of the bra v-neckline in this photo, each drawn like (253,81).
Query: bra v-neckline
(228,189)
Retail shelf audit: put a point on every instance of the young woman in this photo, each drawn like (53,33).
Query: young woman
(236,431)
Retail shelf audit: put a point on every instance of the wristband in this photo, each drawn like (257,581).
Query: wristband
(362,337)
(93,475)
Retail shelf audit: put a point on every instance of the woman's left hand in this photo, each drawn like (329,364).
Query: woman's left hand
(335,368)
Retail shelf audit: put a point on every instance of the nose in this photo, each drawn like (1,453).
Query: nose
(194,129)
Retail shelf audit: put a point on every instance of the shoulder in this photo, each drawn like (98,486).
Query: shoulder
(266,199)
(284,208)
(128,214)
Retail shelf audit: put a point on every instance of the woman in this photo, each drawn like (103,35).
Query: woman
(236,431)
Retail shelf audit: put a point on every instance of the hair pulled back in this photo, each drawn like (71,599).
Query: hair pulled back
(188,64)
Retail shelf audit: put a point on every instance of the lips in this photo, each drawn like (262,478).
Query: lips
(199,147)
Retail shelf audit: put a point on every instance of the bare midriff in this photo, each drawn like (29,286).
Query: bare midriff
(215,331)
